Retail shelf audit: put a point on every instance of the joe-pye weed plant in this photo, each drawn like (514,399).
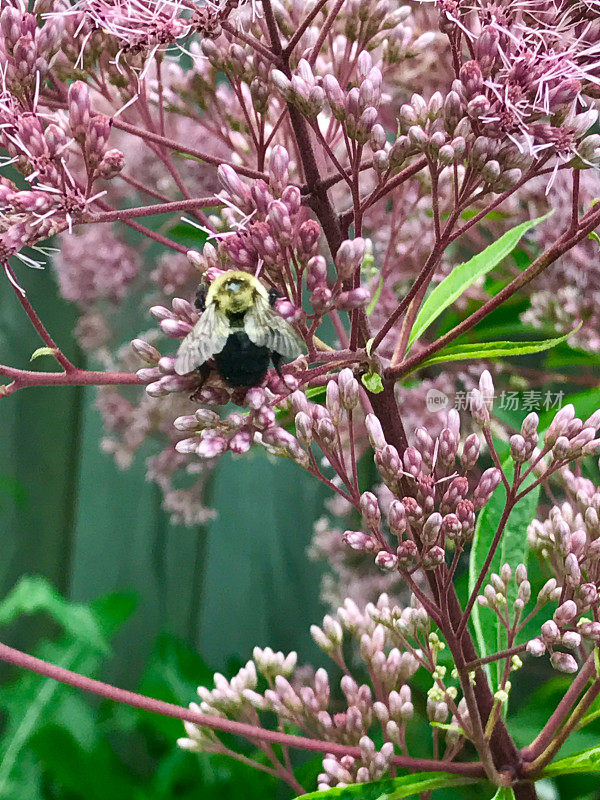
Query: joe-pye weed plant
(376,164)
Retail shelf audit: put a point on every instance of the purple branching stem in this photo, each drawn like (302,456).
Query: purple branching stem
(302,28)
(487,435)
(36,321)
(251,732)
(181,148)
(544,739)
(25,378)
(419,285)
(393,183)
(568,728)
(144,189)
(326,27)
(507,653)
(148,232)
(237,33)
(122,214)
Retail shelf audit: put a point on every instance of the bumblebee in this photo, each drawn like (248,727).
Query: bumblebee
(240,329)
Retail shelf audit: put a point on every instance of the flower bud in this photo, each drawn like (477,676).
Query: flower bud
(565,613)
(386,561)
(349,257)
(278,167)
(375,432)
(316,272)
(564,662)
(146,351)
(348,386)
(369,508)
(358,540)
(486,486)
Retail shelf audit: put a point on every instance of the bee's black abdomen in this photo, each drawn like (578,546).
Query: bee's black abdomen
(241,362)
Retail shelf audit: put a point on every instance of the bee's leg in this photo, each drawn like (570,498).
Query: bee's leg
(200,302)
(277,362)
(274,295)
(203,372)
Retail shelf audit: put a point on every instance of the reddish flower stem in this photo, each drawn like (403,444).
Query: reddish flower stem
(147,232)
(179,147)
(122,214)
(304,25)
(326,27)
(36,321)
(25,378)
(548,732)
(251,732)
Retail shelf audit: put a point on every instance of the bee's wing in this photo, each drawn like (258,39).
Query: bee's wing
(266,328)
(207,337)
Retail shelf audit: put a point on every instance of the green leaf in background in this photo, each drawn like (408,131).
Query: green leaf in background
(491,350)
(585,761)
(395,789)
(504,793)
(451,288)
(32,702)
(375,297)
(34,595)
(513,549)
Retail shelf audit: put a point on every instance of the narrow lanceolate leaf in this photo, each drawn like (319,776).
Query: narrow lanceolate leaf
(395,789)
(513,549)
(584,761)
(492,350)
(451,288)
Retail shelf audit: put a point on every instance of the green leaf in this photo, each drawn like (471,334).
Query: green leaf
(32,702)
(34,595)
(492,350)
(395,789)
(584,761)
(590,716)
(444,726)
(451,288)
(504,793)
(372,381)
(513,549)
(43,351)
(375,298)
